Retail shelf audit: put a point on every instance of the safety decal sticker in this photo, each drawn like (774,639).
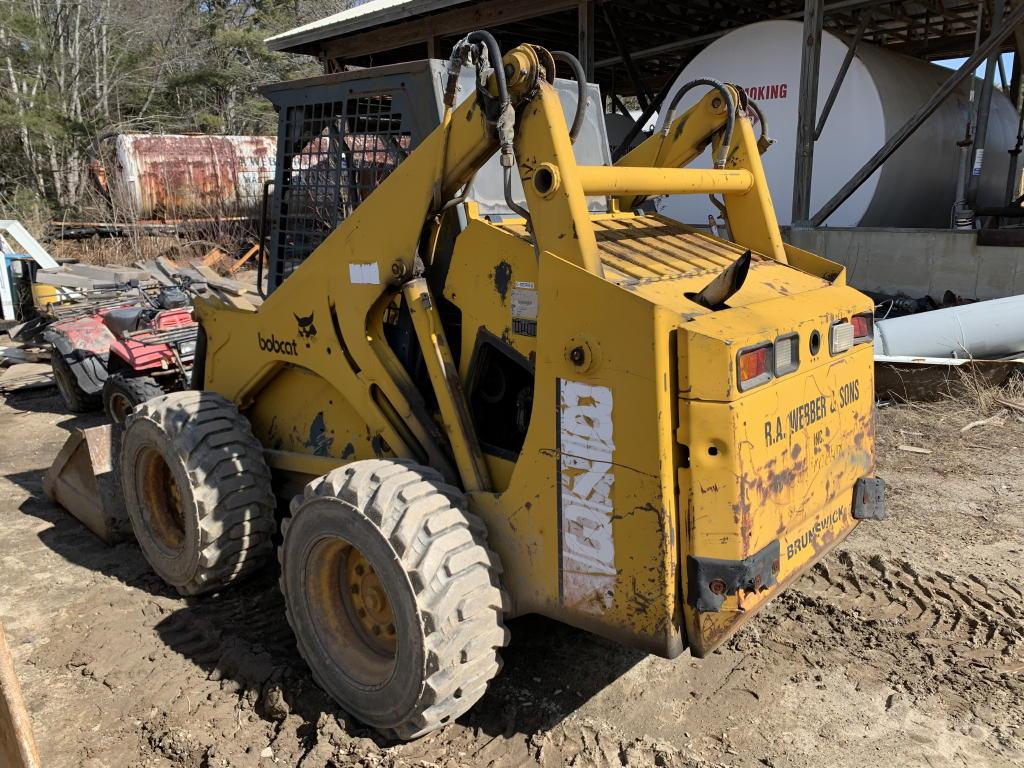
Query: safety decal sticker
(586,476)
(364,274)
(524,308)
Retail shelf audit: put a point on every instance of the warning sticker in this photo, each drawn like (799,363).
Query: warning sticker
(979,158)
(524,301)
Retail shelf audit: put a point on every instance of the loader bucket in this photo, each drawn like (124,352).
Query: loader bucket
(84,480)
(17,747)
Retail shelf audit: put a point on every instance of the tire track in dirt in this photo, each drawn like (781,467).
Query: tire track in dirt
(951,645)
(978,619)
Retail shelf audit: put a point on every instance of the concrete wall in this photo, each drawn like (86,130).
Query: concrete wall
(918,262)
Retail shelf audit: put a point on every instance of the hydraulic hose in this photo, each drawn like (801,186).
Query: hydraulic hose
(763,141)
(581,90)
(485,38)
(505,121)
(730,102)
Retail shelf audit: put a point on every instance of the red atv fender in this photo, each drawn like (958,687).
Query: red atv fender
(85,344)
(139,355)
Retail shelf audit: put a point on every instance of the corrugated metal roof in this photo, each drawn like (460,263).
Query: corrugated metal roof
(369,14)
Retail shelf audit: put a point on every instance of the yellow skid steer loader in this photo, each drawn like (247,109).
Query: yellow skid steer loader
(495,387)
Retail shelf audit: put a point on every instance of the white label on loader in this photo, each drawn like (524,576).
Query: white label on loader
(524,301)
(364,274)
(585,513)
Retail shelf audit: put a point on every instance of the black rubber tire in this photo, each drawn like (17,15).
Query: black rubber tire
(196,447)
(123,394)
(440,578)
(76,399)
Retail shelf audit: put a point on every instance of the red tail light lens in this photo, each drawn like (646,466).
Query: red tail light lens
(863,327)
(755,366)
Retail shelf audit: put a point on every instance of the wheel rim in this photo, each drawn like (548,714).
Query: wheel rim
(161,501)
(352,613)
(120,407)
(370,602)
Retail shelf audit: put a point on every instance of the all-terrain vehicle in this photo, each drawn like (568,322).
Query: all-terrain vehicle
(119,355)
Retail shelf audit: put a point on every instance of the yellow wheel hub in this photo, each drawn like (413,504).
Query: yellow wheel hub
(162,502)
(369,602)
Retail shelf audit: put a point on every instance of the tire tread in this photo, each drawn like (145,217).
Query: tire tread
(455,579)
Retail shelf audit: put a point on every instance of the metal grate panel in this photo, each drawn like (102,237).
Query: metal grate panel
(339,137)
(335,154)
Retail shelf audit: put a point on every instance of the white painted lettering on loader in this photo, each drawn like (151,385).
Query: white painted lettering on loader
(586,478)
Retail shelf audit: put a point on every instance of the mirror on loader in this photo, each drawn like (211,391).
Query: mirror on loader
(493,387)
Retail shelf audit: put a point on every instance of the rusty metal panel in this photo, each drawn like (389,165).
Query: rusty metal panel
(84,479)
(162,176)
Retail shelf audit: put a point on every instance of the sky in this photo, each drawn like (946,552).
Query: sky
(955,64)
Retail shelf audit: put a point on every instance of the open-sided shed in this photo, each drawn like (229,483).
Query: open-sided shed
(637,48)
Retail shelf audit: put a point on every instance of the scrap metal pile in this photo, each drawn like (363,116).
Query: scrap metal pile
(114,335)
(924,348)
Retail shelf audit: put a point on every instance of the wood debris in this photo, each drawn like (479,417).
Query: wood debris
(993,421)
(1012,405)
(25,376)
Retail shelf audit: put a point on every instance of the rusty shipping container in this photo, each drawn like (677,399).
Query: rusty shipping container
(170,177)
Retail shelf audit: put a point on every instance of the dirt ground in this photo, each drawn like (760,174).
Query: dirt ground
(905,647)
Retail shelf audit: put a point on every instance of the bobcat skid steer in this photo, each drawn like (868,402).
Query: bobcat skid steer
(495,388)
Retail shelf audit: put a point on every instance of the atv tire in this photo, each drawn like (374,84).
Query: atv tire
(393,595)
(75,398)
(197,490)
(123,394)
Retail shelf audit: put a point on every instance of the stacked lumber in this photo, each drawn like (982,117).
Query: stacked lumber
(23,366)
(86,287)
(203,281)
(90,277)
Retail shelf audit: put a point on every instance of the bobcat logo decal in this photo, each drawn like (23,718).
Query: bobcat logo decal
(307,331)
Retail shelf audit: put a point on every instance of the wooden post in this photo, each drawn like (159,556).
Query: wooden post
(984,108)
(810,59)
(17,747)
(585,16)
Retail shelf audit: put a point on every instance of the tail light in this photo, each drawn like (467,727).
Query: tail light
(755,366)
(863,327)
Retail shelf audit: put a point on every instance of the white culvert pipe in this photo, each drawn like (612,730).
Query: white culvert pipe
(985,329)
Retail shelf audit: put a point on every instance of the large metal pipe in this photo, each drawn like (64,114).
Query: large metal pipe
(986,329)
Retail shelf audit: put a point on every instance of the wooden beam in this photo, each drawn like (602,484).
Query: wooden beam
(841,75)
(642,95)
(483,15)
(810,61)
(585,27)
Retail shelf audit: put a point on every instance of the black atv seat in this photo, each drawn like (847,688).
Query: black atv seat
(120,321)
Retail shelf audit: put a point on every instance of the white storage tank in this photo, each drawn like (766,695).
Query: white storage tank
(914,188)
